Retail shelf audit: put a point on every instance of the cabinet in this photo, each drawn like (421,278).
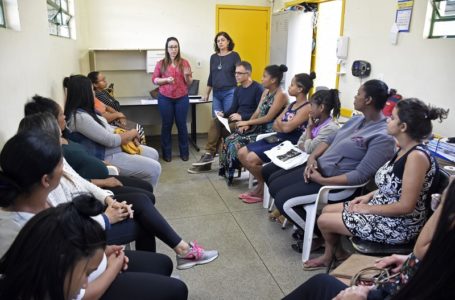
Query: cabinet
(127,69)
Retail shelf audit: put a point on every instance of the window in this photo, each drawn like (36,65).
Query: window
(442,20)
(2,15)
(60,17)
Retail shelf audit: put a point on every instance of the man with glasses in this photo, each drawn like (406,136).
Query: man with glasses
(247,96)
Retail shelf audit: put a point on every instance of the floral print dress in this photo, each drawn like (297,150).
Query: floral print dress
(397,229)
(229,162)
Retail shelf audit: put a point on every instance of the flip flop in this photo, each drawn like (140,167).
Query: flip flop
(246,195)
(252,199)
(314,267)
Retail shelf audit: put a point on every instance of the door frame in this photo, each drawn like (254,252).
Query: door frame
(247,7)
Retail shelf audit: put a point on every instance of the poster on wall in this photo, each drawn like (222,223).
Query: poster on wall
(404,14)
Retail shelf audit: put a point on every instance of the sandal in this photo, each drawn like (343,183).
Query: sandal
(252,199)
(311,265)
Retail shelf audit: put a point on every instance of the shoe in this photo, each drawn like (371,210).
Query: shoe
(167,158)
(311,265)
(206,158)
(184,157)
(316,244)
(196,255)
(200,169)
(252,199)
(298,234)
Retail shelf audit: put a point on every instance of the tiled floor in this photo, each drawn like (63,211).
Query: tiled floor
(256,260)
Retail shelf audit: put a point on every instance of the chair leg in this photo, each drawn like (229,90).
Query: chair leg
(266,197)
(250,181)
(309,228)
(272,204)
(283,226)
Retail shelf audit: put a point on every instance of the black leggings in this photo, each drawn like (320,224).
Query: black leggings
(320,287)
(133,185)
(287,184)
(147,277)
(147,224)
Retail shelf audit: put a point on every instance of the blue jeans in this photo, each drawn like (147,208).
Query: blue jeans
(222,100)
(171,109)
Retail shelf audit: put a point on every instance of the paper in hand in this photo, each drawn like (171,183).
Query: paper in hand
(223,121)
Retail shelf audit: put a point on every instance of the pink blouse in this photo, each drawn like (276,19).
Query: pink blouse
(177,89)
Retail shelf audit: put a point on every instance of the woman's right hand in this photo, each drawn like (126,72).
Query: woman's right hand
(311,165)
(396,261)
(116,213)
(243,129)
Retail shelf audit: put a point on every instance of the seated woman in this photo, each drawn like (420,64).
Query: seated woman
(108,107)
(86,165)
(432,253)
(396,212)
(30,269)
(325,106)
(133,219)
(82,119)
(289,125)
(272,102)
(349,157)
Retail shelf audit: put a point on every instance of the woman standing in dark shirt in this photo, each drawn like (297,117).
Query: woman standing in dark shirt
(222,73)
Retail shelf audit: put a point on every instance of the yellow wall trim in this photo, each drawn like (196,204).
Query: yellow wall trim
(346,112)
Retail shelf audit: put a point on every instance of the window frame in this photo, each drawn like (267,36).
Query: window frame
(60,11)
(2,25)
(436,18)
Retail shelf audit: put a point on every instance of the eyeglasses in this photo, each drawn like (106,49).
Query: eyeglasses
(241,73)
(173,47)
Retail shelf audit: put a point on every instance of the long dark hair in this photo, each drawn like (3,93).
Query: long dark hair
(418,116)
(79,96)
(25,159)
(228,37)
(167,61)
(434,276)
(47,249)
(330,99)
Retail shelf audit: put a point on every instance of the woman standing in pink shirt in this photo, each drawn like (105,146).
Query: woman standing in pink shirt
(173,76)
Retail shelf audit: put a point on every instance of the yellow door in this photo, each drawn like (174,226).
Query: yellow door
(249,27)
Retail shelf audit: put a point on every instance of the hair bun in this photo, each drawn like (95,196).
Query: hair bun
(312,75)
(87,205)
(437,113)
(283,68)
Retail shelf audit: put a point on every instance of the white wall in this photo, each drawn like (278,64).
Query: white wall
(147,24)
(33,62)
(416,67)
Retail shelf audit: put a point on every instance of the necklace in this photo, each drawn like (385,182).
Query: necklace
(220,66)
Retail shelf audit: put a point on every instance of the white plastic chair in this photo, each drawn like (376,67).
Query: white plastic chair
(310,204)
(112,171)
(259,137)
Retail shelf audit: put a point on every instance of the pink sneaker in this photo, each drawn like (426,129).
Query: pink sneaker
(196,255)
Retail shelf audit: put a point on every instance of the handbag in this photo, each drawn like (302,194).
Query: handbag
(129,147)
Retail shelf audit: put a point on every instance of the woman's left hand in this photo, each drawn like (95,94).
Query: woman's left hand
(361,208)
(354,293)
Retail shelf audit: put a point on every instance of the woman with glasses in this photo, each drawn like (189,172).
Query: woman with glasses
(173,76)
